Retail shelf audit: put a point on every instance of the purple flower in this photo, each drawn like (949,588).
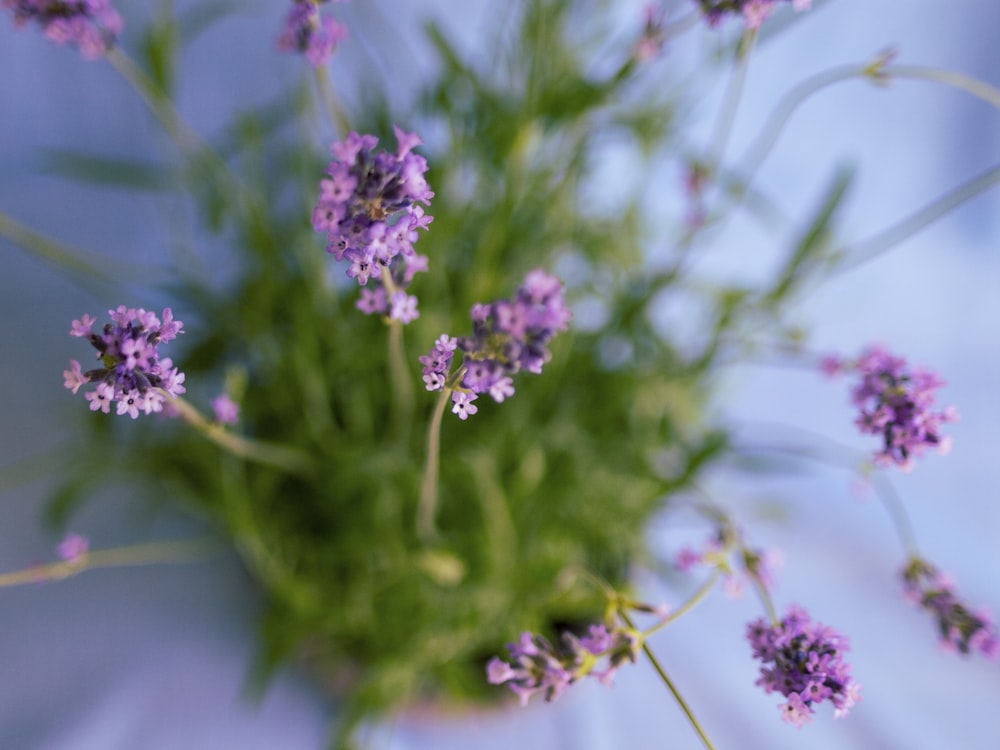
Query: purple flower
(368,208)
(804,662)
(650,44)
(896,403)
(753,12)
(73,548)
(131,373)
(226,410)
(959,628)
(92,25)
(308,32)
(536,666)
(508,336)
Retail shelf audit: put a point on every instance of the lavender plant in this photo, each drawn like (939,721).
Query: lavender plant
(400,550)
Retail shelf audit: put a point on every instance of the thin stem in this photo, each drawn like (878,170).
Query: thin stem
(331,103)
(840,455)
(427,508)
(270,454)
(782,113)
(117,557)
(402,384)
(694,600)
(866,250)
(979,89)
(670,685)
(765,598)
(730,104)
(53,251)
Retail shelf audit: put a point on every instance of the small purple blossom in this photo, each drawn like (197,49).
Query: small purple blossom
(226,410)
(92,25)
(960,629)
(896,403)
(131,374)
(536,666)
(650,44)
(804,662)
(753,12)
(368,208)
(508,336)
(307,31)
(73,548)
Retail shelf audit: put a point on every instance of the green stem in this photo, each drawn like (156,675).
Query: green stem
(331,103)
(670,685)
(840,455)
(866,250)
(694,600)
(52,251)
(960,81)
(730,104)
(402,383)
(427,508)
(118,557)
(279,456)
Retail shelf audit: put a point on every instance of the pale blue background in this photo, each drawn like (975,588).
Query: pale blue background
(157,657)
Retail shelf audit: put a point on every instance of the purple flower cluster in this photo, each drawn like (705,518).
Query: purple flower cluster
(131,372)
(310,33)
(508,336)
(537,667)
(754,12)
(961,630)
(92,25)
(368,209)
(753,565)
(804,662)
(896,404)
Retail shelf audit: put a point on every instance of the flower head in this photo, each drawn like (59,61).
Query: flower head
(536,666)
(368,208)
(753,12)
(73,548)
(896,403)
(131,374)
(508,336)
(92,25)
(310,33)
(226,410)
(804,662)
(959,628)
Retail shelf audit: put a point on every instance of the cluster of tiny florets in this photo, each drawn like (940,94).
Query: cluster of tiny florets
(536,666)
(91,25)
(132,375)
(368,208)
(738,563)
(754,12)
(309,32)
(508,336)
(960,629)
(896,403)
(804,662)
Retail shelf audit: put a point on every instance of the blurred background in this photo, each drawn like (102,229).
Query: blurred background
(158,657)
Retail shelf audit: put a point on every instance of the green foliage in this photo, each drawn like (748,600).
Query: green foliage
(562,477)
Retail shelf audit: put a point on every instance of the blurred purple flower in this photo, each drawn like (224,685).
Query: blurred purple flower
(310,33)
(92,26)
(960,629)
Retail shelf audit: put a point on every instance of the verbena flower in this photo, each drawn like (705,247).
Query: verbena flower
(307,31)
(92,25)
(896,403)
(960,629)
(804,662)
(368,208)
(536,666)
(508,336)
(754,12)
(132,375)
